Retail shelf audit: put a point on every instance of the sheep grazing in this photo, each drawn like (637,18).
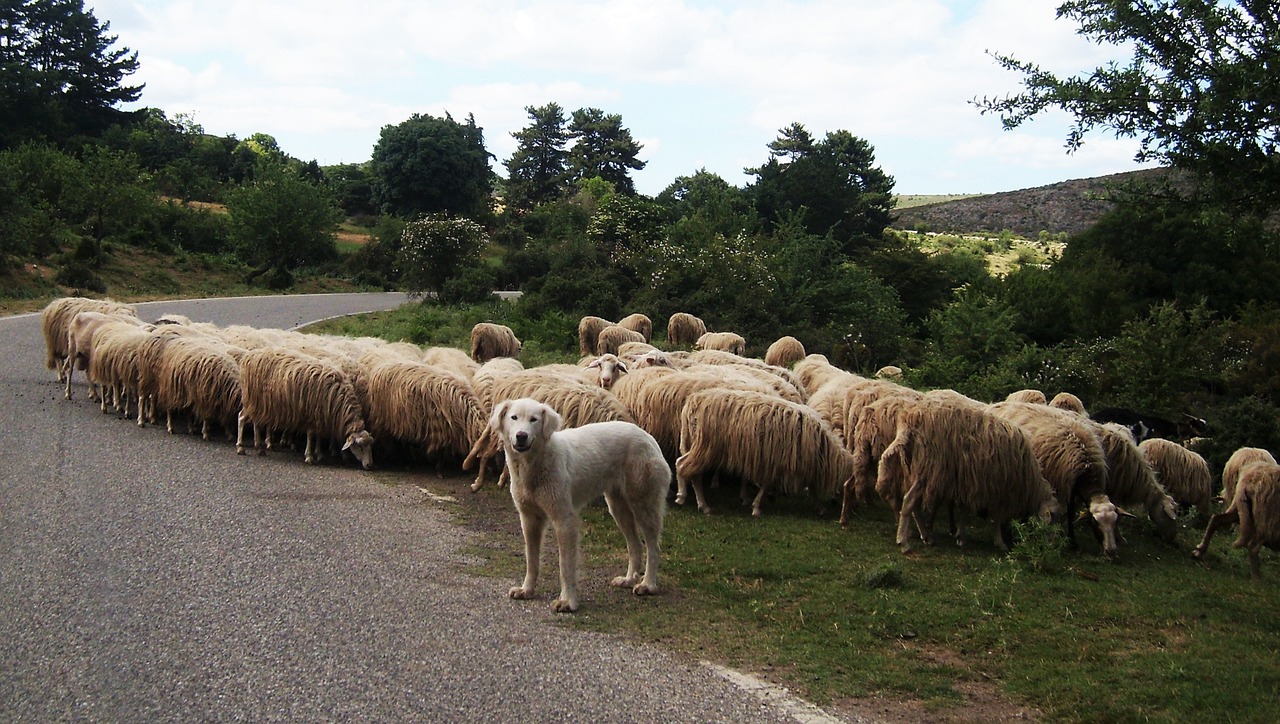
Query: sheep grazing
(1183,473)
(490,340)
(723,341)
(589,332)
(1255,507)
(79,344)
(867,435)
(200,376)
(454,360)
(956,454)
(56,317)
(762,439)
(1072,461)
(1034,397)
(293,392)
(814,371)
(611,339)
(1069,402)
(684,329)
(785,352)
(638,323)
(424,405)
(1236,463)
(1131,481)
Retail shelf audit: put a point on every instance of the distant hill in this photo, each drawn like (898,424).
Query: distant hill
(1068,206)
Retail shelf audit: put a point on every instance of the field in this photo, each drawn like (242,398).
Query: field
(943,634)
(907,201)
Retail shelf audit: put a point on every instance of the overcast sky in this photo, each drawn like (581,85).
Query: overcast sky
(699,83)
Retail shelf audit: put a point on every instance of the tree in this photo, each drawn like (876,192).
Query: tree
(603,148)
(281,222)
(436,249)
(59,75)
(834,182)
(1200,91)
(539,168)
(426,165)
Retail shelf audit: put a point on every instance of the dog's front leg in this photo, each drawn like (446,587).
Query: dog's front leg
(533,524)
(568,531)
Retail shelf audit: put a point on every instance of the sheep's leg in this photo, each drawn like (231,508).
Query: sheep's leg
(847,502)
(204,430)
(310,453)
(910,502)
(759,499)
(1255,564)
(1230,517)
(1001,545)
(71,369)
(168,421)
(483,464)
(240,433)
(683,463)
(533,524)
(258,433)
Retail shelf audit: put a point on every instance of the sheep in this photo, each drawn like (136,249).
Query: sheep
(1035,397)
(959,454)
(723,341)
(1236,463)
(57,316)
(784,352)
(202,376)
(611,339)
(684,329)
(762,439)
(889,372)
(490,340)
(638,323)
(634,350)
(421,404)
(659,358)
(113,364)
(79,345)
(794,387)
(656,401)
(1067,401)
(290,391)
(172,318)
(1255,507)
(579,403)
(1130,479)
(452,359)
(1072,461)
(814,371)
(867,434)
(589,332)
(1183,473)
(489,373)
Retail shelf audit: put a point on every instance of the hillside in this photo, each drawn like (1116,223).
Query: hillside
(1067,206)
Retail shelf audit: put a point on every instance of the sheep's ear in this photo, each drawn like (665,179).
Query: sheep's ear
(595,364)
(347,445)
(499,412)
(622,366)
(1124,513)
(551,421)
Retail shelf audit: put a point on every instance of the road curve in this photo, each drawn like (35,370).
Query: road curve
(149,577)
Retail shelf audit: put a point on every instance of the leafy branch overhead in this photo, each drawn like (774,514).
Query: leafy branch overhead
(1200,92)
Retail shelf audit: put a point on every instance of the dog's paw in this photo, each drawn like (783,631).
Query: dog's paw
(561,605)
(520,593)
(644,589)
(625,581)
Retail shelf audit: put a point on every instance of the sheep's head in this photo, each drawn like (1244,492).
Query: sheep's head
(1164,513)
(1050,509)
(1104,517)
(611,368)
(654,358)
(360,445)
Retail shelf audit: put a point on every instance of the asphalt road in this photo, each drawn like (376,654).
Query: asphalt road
(149,577)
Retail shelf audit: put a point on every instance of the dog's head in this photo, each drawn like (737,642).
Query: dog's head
(524,423)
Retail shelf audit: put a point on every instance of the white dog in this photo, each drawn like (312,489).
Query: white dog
(555,472)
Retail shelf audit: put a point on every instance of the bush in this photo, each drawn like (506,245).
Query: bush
(77,274)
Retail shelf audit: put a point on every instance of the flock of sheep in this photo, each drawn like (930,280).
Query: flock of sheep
(787,424)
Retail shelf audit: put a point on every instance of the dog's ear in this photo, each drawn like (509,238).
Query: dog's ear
(499,412)
(551,421)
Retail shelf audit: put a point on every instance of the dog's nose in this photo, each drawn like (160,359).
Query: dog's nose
(522,437)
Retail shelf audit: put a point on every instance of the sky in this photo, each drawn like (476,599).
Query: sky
(701,84)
